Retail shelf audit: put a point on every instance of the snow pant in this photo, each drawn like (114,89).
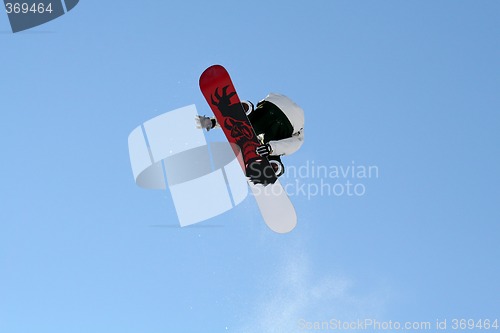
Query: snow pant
(269,120)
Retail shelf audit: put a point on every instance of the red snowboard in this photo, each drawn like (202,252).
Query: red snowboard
(218,89)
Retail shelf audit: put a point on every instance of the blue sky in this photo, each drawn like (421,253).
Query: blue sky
(409,87)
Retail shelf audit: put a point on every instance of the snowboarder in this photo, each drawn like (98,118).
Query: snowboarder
(278,123)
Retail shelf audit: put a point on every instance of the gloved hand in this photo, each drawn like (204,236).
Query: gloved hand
(264,150)
(204,122)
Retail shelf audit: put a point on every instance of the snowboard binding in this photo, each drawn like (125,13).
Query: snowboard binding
(278,167)
(266,175)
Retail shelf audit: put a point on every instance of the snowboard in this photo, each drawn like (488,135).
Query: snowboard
(272,199)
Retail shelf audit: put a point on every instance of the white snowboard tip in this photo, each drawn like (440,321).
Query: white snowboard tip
(275,206)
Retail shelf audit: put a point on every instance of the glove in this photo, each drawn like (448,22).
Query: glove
(264,150)
(204,122)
